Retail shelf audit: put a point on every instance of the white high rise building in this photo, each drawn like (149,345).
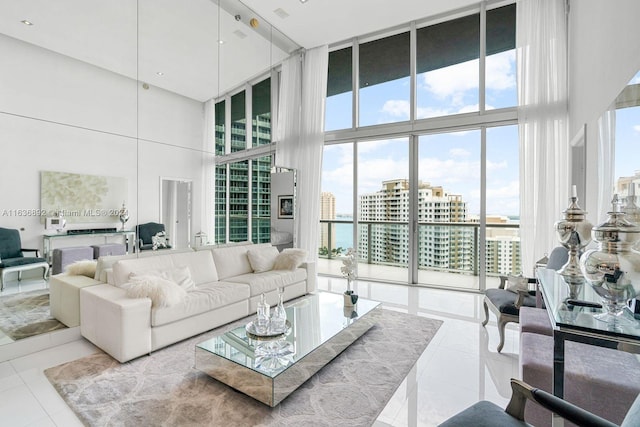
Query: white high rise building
(327,211)
(385,214)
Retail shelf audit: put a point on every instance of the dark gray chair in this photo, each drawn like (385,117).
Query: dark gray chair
(146,233)
(506,304)
(12,258)
(487,414)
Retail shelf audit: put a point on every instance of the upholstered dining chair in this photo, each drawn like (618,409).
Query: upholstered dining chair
(505,303)
(12,257)
(147,233)
(487,414)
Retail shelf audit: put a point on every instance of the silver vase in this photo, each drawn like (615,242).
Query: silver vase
(613,269)
(574,233)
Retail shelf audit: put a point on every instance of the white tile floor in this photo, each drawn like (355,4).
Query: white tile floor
(458,368)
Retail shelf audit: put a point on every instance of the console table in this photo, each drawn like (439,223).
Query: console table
(577,322)
(48,240)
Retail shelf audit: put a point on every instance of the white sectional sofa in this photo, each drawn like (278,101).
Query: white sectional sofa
(224,288)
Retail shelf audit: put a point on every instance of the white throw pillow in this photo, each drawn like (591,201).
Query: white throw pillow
(181,276)
(263,258)
(162,292)
(85,267)
(290,259)
(516,283)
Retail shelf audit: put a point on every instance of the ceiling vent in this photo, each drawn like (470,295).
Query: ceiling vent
(281,13)
(240,34)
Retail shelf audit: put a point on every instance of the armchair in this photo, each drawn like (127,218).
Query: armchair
(506,304)
(12,258)
(146,234)
(488,414)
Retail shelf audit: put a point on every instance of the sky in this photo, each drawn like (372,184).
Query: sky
(627,142)
(449,160)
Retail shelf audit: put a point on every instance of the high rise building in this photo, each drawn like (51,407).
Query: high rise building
(327,211)
(451,247)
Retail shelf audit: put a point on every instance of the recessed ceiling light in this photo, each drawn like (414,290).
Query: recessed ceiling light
(160,73)
(220,41)
(303,1)
(25,22)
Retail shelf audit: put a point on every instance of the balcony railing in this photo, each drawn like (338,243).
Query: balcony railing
(447,248)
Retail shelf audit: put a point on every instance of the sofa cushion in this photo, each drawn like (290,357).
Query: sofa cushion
(270,280)
(162,292)
(181,276)
(200,264)
(233,260)
(262,258)
(201,299)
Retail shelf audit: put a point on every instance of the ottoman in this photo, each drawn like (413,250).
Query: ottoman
(535,320)
(65,256)
(601,380)
(108,249)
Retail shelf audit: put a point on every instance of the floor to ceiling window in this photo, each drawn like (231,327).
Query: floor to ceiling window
(627,134)
(243,165)
(436,169)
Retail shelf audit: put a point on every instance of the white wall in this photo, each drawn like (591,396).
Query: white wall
(604,54)
(61,114)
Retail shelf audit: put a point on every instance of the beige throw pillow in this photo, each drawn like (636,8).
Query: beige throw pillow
(263,258)
(162,292)
(290,259)
(85,267)
(515,283)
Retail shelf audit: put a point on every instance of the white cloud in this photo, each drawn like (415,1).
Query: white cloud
(501,70)
(509,190)
(396,108)
(636,128)
(494,166)
(452,80)
(459,152)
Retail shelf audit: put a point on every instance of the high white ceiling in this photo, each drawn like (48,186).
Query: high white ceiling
(318,22)
(179,38)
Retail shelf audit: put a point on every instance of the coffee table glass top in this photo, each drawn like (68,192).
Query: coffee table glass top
(314,319)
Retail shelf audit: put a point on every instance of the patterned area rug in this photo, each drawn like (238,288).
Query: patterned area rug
(164,389)
(26,314)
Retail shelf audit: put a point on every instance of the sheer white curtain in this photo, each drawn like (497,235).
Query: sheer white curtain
(303,90)
(541,42)
(606,165)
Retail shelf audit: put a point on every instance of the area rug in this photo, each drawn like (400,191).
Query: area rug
(26,314)
(164,389)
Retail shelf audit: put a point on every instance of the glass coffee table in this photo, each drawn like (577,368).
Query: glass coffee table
(269,369)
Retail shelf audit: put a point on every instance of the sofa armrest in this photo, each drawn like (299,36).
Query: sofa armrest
(310,266)
(64,291)
(119,325)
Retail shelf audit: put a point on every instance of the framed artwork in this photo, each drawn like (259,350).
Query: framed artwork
(285,207)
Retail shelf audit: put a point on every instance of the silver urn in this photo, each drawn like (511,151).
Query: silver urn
(613,269)
(574,233)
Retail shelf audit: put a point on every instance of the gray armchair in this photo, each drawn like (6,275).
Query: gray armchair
(12,258)
(506,304)
(147,233)
(485,414)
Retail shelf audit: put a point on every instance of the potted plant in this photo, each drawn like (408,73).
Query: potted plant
(348,269)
